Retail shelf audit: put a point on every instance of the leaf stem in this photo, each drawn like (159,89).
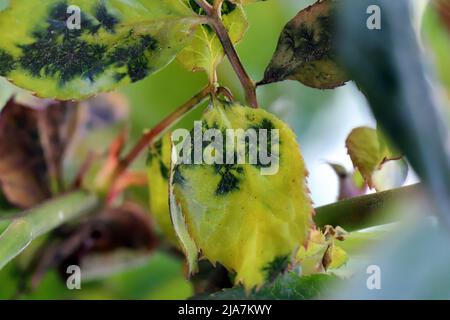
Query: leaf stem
(216,23)
(157,131)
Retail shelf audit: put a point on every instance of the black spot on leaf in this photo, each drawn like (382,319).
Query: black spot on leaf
(6,63)
(276,267)
(134,57)
(178,177)
(229,181)
(106,19)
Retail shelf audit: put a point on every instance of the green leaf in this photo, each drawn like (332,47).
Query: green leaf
(206,52)
(380,165)
(289,286)
(119,42)
(306,51)
(37,221)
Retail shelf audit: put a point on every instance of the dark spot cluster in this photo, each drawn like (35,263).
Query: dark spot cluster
(305,43)
(6,63)
(106,20)
(155,153)
(60,52)
(133,57)
(276,267)
(229,180)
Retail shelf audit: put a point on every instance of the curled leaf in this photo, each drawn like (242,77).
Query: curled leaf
(44,49)
(158,170)
(306,52)
(249,222)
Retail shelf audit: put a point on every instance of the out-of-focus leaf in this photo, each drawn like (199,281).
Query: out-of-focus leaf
(118,42)
(436,28)
(306,50)
(350,185)
(23,169)
(411,263)
(206,52)
(103,110)
(57,124)
(289,286)
(380,165)
(41,219)
(158,170)
(253,238)
(387,66)
(124,227)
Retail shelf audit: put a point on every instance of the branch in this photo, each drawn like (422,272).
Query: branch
(361,212)
(43,219)
(216,22)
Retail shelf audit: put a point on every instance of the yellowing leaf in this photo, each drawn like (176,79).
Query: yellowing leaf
(373,156)
(306,52)
(158,170)
(249,222)
(206,52)
(117,42)
(322,253)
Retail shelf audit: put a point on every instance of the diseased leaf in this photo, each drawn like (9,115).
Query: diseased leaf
(23,169)
(206,52)
(118,42)
(289,286)
(158,170)
(380,165)
(306,52)
(248,217)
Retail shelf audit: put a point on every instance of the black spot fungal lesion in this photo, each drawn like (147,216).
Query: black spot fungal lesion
(133,56)
(61,53)
(276,267)
(7,62)
(230,178)
(106,19)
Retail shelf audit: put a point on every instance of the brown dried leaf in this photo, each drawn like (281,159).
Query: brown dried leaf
(23,170)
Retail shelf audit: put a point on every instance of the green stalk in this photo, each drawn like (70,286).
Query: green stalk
(364,211)
(42,219)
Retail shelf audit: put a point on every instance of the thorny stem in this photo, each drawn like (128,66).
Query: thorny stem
(216,22)
(157,131)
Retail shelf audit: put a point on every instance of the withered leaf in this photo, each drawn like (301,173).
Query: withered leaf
(306,52)
(23,169)
(125,227)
